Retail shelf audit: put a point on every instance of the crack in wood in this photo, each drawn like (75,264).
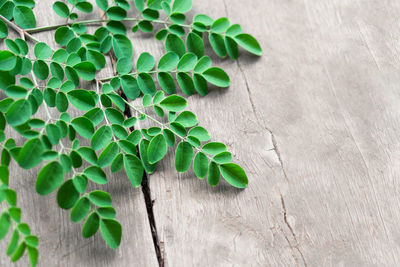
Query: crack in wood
(278,155)
(291,231)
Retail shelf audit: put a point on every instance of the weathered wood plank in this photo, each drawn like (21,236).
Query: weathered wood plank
(60,240)
(326,194)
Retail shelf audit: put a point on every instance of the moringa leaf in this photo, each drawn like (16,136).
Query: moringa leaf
(183,156)
(111,231)
(50,177)
(157,149)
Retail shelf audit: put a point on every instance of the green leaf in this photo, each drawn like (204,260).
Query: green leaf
(187,119)
(108,154)
(16,91)
(174,43)
(91,225)
(61,9)
(114,115)
(234,174)
(169,137)
(80,183)
(83,126)
(88,154)
(150,14)
(81,99)
(220,25)
(182,6)
(11,197)
(33,255)
(67,195)
(124,65)
(166,82)
(214,148)
(97,58)
(200,133)
(6,79)
(7,60)
(3,29)
(157,149)
(122,46)
(13,243)
(96,174)
(117,163)
(116,13)
(173,103)
(130,86)
(249,43)
(53,133)
(84,7)
(200,84)
(206,20)
(146,84)
(231,48)
(107,212)
(217,77)
(186,83)
(19,252)
(134,169)
(86,70)
(111,231)
(32,147)
(223,157)
(63,35)
(146,100)
(187,62)
(100,198)
(19,112)
(80,209)
(41,70)
(218,44)
(24,17)
(168,62)
(4,173)
(213,174)
(102,4)
(183,156)
(145,26)
(32,241)
(50,177)
(200,165)
(145,62)
(5,222)
(101,138)
(195,44)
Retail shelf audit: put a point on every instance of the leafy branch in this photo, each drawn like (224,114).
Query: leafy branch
(52,80)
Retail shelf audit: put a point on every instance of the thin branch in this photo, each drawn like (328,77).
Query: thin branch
(96,21)
(18,29)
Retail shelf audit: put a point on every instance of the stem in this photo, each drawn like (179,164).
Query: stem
(135,73)
(86,22)
(103,109)
(164,126)
(18,29)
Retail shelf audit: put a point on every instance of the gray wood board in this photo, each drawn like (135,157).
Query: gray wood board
(313,122)
(60,241)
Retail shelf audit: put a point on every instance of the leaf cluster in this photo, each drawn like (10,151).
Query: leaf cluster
(39,77)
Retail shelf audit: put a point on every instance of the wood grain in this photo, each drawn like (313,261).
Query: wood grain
(314,122)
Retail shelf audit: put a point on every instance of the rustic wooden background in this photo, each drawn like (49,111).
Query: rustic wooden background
(315,122)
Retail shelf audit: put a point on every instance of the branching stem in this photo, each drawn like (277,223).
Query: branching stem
(96,21)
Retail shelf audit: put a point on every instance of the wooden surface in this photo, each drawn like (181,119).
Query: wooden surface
(314,122)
